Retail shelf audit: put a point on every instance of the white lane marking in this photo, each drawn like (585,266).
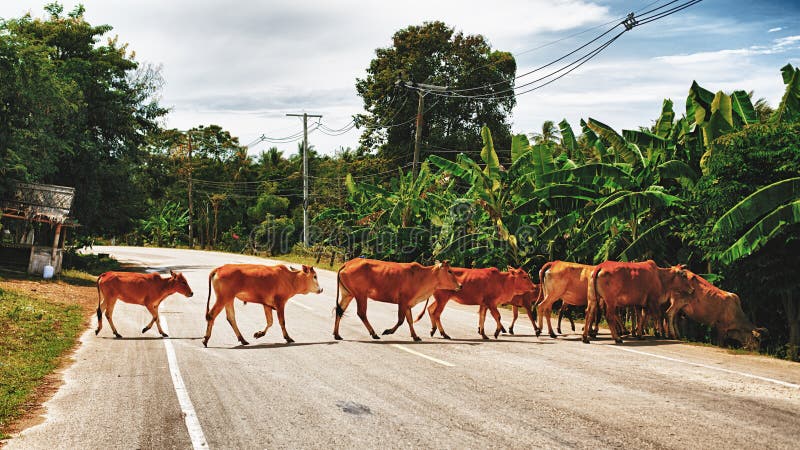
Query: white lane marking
(308,308)
(744,374)
(189,414)
(430,358)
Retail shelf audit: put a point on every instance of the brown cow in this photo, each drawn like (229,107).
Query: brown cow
(148,290)
(562,280)
(527,302)
(639,284)
(712,306)
(486,288)
(270,286)
(404,284)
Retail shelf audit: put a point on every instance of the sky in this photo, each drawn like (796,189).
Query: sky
(244,65)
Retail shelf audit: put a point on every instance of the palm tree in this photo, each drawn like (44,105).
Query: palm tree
(548,135)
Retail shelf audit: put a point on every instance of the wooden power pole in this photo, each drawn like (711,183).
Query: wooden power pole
(305,172)
(421,89)
(191,210)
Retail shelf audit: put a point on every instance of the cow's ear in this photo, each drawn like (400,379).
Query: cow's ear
(446,262)
(172,273)
(305,268)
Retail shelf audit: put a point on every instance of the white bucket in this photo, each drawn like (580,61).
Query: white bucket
(48,272)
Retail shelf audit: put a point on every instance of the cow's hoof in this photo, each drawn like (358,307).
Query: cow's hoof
(445,336)
(573,328)
(511,330)
(96,332)
(585,340)
(553,335)
(164,335)
(503,329)
(258,334)
(376,337)
(558,330)
(289,340)
(117,335)
(205,342)
(337,337)
(496,334)
(243,342)
(618,341)
(144,330)
(538,332)
(387,331)
(485,337)
(416,338)
(433,331)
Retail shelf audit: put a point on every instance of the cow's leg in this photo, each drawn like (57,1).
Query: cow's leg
(481,321)
(109,313)
(362,314)
(436,316)
(211,316)
(154,312)
(410,319)
(431,309)
(496,315)
(672,313)
(282,322)
(268,316)
(341,307)
(531,315)
(401,316)
(591,316)
(514,314)
(548,312)
(570,318)
(640,313)
(560,316)
(230,314)
(612,317)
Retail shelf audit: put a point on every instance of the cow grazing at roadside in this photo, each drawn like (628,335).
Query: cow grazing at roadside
(640,284)
(527,302)
(270,286)
(404,284)
(486,288)
(720,309)
(562,280)
(148,290)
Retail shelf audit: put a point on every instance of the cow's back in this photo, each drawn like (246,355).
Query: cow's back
(626,282)
(251,281)
(381,280)
(568,280)
(128,286)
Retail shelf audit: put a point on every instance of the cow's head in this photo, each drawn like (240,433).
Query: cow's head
(445,278)
(310,282)
(180,284)
(679,280)
(522,281)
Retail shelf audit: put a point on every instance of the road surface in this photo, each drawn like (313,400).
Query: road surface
(516,392)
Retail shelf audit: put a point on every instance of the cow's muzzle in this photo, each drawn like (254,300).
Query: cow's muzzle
(191,294)
(319,291)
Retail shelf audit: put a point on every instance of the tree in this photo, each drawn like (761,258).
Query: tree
(91,115)
(434,53)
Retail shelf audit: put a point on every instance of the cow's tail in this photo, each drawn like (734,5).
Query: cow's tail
(422,313)
(542,274)
(592,300)
(99,298)
(339,310)
(208,299)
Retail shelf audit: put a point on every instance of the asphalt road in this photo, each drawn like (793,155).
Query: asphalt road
(515,392)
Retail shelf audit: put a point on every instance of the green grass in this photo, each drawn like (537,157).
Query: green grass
(309,260)
(34,334)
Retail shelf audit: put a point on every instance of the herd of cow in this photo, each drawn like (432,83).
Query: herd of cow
(650,295)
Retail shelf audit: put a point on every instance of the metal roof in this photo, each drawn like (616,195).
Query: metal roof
(39,201)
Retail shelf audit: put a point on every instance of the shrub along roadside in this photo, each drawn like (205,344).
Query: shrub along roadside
(35,334)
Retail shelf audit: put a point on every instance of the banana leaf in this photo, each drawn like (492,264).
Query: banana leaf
(756,205)
(766,229)
(743,107)
(788,110)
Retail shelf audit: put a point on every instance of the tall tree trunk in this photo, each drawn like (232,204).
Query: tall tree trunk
(793,318)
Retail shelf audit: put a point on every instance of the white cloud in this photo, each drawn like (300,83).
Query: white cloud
(773,30)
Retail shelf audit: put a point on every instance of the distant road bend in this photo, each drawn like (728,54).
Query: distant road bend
(515,392)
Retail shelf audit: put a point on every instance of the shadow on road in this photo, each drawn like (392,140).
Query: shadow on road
(150,338)
(278,345)
(191,267)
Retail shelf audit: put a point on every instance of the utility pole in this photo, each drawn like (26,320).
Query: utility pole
(421,89)
(191,211)
(305,172)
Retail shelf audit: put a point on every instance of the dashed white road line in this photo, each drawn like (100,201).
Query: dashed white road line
(705,366)
(421,355)
(196,434)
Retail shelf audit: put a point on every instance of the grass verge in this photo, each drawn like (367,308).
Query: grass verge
(36,332)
